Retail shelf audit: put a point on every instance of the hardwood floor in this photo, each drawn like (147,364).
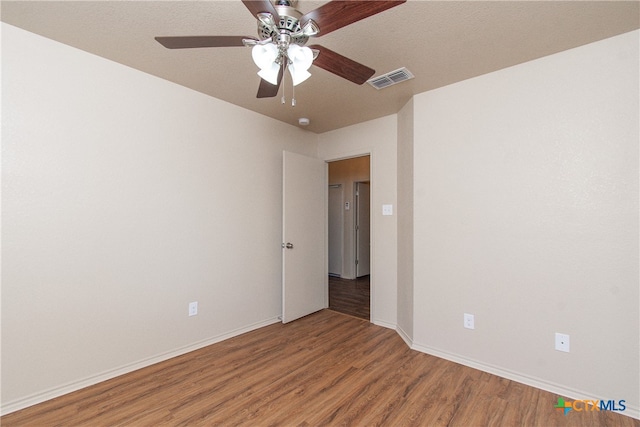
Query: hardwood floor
(324,369)
(350,296)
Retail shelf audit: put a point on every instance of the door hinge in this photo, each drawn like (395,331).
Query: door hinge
(356,262)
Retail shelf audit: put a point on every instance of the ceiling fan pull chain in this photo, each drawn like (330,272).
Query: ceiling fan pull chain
(293,96)
(283,100)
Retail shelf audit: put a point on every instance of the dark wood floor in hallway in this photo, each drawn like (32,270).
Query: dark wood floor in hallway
(326,369)
(350,296)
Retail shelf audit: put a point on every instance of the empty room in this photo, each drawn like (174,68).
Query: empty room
(165,212)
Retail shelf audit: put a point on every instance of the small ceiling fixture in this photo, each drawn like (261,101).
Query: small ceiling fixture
(283,32)
(303,121)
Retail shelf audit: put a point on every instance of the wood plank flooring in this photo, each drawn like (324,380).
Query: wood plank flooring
(350,296)
(322,370)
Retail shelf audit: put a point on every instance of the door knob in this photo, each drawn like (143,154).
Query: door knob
(287,245)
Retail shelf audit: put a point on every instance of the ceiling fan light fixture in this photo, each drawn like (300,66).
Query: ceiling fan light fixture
(264,55)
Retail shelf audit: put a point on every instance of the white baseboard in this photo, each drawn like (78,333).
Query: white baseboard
(560,390)
(405,337)
(384,324)
(52,393)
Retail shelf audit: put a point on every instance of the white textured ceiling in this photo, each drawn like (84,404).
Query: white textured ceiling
(440,42)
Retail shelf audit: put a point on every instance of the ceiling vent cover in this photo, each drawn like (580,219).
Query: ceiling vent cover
(390,78)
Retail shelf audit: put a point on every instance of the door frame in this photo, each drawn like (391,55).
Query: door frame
(372,230)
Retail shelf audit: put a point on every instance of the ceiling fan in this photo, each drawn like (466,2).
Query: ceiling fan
(283,33)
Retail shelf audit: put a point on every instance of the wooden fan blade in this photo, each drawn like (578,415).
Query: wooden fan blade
(266,89)
(261,6)
(342,66)
(186,42)
(339,13)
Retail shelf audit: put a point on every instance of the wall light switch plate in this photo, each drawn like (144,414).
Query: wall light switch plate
(469,321)
(562,342)
(193,308)
(387,209)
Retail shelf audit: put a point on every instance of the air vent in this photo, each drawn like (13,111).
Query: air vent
(390,78)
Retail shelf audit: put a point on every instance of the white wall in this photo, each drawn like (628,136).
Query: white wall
(526,215)
(378,138)
(124,198)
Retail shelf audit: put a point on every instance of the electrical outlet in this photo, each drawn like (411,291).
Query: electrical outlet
(562,342)
(469,321)
(193,308)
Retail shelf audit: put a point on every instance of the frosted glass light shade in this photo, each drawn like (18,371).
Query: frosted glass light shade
(301,57)
(270,74)
(264,55)
(298,75)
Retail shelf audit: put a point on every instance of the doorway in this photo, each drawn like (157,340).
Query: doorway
(348,236)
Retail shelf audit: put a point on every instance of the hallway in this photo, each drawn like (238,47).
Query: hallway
(350,296)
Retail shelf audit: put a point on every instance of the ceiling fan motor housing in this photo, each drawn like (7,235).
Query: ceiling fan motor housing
(289,24)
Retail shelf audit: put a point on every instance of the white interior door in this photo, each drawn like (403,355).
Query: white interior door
(363,228)
(336,229)
(304,261)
